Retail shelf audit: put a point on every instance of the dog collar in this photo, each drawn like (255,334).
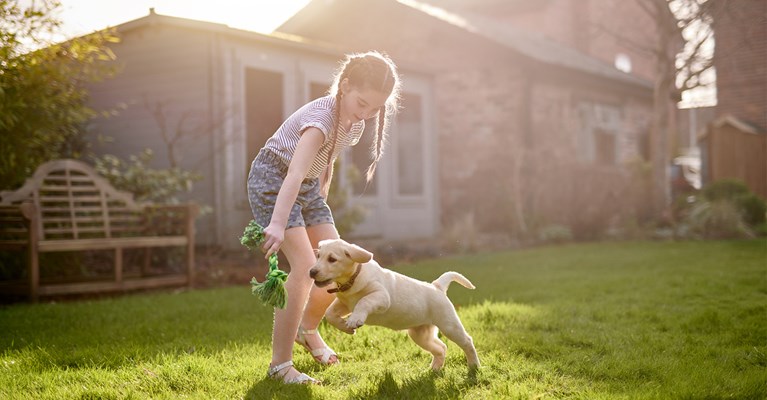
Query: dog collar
(348,285)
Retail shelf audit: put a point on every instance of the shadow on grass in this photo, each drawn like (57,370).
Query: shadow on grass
(268,388)
(421,387)
(137,328)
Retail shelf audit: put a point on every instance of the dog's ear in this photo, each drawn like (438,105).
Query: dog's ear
(358,254)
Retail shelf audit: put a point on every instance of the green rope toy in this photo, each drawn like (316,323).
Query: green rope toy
(272,290)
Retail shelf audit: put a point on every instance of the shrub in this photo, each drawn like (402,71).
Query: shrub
(719,219)
(725,209)
(346,216)
(43,88)
(555,234)
(146,183)
(725,189)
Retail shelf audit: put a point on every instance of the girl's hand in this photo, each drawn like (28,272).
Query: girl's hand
(274,235)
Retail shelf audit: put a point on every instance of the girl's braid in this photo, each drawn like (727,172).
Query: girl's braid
(365,69)
(351,64)
(378,142)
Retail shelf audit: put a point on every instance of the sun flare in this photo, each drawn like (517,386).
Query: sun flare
(85,16)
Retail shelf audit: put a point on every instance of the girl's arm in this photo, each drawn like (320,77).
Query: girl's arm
(306,151)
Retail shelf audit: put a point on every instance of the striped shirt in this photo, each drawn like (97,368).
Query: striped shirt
(319,114)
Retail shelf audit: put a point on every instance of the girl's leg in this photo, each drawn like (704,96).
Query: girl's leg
(319,298)
(300,254)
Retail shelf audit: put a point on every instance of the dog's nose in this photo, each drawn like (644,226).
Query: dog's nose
(312,273)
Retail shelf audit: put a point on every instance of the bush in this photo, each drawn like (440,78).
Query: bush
(555,234)
(719,219)
(43,88)
(725,209)
(752,208)
(345,215)
(146,183)
(725,189)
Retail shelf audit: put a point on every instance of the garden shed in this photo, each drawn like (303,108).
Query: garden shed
(734,149)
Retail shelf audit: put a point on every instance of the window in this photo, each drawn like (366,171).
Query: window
(410,142)
(600,132)
(263,102)
(605,147)
(317,90)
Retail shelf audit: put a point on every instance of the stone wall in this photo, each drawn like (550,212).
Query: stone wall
(740,31)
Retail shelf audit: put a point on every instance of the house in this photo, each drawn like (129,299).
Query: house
(215,94)
(531,129)
(734,145)
(734,149)
(741,61)
(498,123)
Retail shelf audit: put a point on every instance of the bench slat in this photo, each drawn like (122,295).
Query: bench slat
(95,218)
(128,284)
(90,209)
(112,243)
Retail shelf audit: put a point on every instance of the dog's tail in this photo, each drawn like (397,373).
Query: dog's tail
(444,280)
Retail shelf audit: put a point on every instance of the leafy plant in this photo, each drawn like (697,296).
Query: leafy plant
(146,183)
(726,209)
(718,220)
(345,215)
(43,88)
(555,233)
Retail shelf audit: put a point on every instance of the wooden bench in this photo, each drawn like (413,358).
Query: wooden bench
(66,206)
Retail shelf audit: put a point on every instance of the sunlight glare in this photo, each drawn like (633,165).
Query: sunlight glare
(85,16)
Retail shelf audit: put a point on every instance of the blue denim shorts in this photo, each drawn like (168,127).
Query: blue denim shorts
(267,172)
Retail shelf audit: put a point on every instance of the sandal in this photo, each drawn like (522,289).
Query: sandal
(300,379)
(323,353)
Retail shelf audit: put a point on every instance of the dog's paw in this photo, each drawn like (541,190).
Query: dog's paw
(346,329)
(353,322)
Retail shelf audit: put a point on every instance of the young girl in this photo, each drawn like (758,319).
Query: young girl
(288,186)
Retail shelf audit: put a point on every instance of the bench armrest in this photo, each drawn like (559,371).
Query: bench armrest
(17,222)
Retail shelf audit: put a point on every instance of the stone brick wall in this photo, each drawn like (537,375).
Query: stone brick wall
(479,128)
(740,31)
(599,28)
(507,126)
(508,153)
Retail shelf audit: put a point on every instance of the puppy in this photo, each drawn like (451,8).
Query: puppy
(369,294)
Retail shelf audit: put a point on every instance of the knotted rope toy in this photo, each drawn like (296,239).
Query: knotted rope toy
(272,290)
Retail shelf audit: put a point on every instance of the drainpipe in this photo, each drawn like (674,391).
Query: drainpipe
(212,113)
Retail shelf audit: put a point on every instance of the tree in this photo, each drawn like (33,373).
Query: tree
(43,92)
(682,54)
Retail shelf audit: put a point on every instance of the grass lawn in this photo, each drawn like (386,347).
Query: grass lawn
(681,320)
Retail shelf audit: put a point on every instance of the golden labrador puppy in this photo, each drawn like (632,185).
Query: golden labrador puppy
(369,294)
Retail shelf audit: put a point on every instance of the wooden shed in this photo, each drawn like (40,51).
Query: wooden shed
(734,149)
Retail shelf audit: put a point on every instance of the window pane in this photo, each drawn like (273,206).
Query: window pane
(599,133)
(317,90)
(410,168)
(263,102)
(605,147)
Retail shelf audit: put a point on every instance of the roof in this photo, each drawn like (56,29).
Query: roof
(277,38)
(735,122)
(530,44)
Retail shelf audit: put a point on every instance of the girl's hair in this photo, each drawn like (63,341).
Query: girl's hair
(371,70)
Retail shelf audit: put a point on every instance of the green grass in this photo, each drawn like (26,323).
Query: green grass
(683,320)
